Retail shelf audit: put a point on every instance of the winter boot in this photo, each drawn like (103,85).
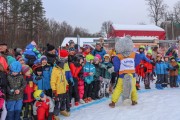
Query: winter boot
(65,113)
(86,100)
(112,105)
(134,102)
(56,118)
(76,103)
(89,99)
(81,101)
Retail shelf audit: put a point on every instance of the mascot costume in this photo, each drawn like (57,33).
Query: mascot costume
(125,63)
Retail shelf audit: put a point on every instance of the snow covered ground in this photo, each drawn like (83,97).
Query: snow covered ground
(152,105)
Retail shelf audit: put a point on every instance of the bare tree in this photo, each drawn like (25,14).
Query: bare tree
(157,9)
(106,27)
(177,12)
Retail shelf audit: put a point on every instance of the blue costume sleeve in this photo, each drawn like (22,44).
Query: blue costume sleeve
(137,59)
(116,63)
(145,58)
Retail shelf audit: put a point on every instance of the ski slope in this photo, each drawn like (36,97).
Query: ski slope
(152,105)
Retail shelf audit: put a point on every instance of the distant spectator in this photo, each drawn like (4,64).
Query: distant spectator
(99,50)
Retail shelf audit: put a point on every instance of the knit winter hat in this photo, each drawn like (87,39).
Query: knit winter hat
(18,50)
(71,49)
(10,60)
(15,67)
(50,47)
(70,42)
(19,58)
(96,59)
(89,57)
(86,47)
(43,58)
(99,56)
(25,69)
(63,53)
(33,43)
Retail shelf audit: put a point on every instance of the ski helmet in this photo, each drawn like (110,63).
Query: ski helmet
(38,94)
(89,57)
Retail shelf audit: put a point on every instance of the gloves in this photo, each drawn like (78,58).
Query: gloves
(72,81)
(38,78)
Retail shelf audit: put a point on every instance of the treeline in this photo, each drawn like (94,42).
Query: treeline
(22,21)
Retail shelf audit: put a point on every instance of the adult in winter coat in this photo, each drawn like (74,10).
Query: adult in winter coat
(47,70)
(31,55)
(172,52)
(71,55)
(99,50)
(51,55)
(89,71)
(15,88)
(125,63)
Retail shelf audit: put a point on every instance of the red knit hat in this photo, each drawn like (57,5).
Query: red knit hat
(64,53)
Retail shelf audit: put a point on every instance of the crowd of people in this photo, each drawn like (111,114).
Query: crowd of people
(36,84)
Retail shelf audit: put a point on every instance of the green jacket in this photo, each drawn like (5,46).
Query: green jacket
(98,72)
(105,67)
(15,83)
(178,68)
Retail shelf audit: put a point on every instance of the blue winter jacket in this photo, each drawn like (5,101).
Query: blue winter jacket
(47,70)
(117,63)
(160,67)
(39,82)
(168,66)
(102,52)
(88,67)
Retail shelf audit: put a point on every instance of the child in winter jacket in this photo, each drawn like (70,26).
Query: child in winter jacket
(89,71)
(43,107)
(78,87)
(46,69)
(59,86)
(28,92)
(97,79)
(166,75)
(148,70)
(15,88)
(173,72)
(106,74)
(160,68)
(178,79)
(69,78)
(31,55)
(38,78)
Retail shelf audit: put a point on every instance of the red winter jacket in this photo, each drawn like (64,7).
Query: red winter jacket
(75,70)
(29,89)
(149,66)
(140,69)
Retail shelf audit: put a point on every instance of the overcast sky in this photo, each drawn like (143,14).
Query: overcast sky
(90,14)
